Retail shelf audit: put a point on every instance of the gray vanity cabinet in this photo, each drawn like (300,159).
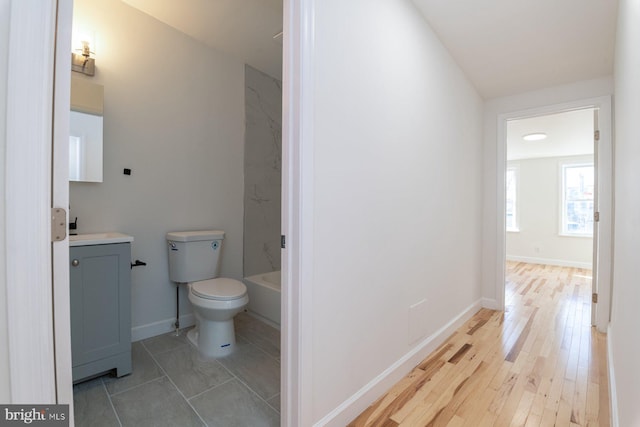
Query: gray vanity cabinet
(100,309)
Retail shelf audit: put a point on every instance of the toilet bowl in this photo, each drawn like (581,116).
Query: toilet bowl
(215,302)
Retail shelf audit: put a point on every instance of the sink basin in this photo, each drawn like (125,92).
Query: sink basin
(99,239)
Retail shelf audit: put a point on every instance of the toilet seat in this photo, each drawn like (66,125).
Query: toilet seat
(220,289)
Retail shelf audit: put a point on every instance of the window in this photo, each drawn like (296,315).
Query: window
(577,199)
(512,199)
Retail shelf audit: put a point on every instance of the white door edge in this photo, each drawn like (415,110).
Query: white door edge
(60,199)
(297,214)
(596,225)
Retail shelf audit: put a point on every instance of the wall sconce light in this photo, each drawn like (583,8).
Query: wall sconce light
(83,62)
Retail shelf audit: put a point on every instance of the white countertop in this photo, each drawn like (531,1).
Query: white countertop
(99,239)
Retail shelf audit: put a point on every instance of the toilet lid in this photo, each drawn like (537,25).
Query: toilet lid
(219,289)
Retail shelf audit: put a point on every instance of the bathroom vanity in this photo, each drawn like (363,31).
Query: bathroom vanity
(100,291)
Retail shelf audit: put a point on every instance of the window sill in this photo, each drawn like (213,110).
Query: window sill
(581,236)
(513,230)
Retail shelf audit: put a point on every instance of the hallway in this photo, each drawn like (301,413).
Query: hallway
(538,364)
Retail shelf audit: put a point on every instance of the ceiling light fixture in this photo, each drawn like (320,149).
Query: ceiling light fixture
(538,136)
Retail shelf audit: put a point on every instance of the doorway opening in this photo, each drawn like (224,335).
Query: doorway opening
(550,196)
(603,199)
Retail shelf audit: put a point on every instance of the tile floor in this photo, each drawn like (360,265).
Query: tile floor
(172,386)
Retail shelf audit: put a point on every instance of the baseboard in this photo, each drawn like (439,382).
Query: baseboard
(263,319)
(489,303)
(548,261)
(160,327)
(613,396)
(356,404)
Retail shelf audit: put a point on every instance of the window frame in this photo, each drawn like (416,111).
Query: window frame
(516,171)
(564,165)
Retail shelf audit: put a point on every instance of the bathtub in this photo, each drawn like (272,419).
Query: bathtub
(264,297)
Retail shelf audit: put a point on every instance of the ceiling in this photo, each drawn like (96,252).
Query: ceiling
(568,134)
(505,47)
(243,29)
(513,46)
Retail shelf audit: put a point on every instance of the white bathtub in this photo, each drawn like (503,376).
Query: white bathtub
(264,297)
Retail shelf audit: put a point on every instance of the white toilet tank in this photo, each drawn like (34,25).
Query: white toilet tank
(194,255)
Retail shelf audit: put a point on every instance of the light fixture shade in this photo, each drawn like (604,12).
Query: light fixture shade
(83,52)
(83,64)
(537,136)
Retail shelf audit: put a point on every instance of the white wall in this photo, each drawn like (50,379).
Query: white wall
(174,115)
(538,195)
(624,345)
(493,109)
(5,386)
(397,194)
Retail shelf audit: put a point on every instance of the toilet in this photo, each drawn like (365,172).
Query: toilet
(194,260)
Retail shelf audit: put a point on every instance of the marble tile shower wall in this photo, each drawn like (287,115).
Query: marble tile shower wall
(262,172)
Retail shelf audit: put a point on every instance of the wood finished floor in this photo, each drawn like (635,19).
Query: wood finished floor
(537,364)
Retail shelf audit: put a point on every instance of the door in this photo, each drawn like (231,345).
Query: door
(28,201)
(37,126)
(596,214)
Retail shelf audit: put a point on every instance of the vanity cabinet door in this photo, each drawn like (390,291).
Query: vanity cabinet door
(100,309)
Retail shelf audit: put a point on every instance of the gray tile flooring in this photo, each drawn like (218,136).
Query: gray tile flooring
(171,385)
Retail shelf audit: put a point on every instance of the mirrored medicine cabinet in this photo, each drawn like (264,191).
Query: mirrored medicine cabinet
(85,131)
